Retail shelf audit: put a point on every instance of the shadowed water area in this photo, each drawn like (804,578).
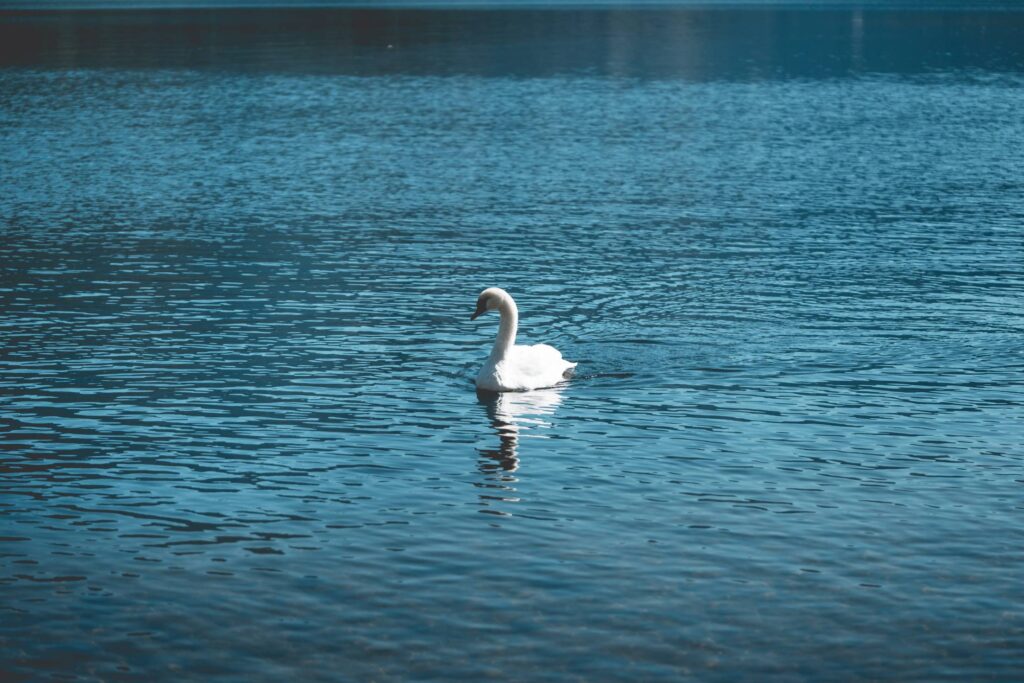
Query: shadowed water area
(240,438)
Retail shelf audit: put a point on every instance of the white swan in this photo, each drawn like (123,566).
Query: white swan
(511,367)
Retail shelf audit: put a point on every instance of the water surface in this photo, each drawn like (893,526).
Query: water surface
(240,435)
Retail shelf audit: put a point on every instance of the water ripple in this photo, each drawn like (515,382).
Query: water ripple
(238,431)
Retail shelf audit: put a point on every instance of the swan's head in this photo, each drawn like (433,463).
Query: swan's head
(489,300)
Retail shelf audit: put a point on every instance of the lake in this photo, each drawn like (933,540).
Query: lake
(240,435)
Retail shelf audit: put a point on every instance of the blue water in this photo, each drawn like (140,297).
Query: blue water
(240,435)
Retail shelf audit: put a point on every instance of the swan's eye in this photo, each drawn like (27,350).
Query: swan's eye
(481,307)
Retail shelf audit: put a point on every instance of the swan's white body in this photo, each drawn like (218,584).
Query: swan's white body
(511,367)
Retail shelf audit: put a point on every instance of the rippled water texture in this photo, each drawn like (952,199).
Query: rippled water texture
(240,436)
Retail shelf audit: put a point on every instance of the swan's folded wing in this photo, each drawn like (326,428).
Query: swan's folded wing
(540,360)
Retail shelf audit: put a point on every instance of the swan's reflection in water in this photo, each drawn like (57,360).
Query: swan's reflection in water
(514,416)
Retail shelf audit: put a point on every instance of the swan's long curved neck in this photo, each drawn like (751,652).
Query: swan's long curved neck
(507,329)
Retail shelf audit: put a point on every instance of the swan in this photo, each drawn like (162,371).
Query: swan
(511,367)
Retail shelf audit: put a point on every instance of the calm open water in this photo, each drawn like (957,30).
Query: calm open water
(240,439)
